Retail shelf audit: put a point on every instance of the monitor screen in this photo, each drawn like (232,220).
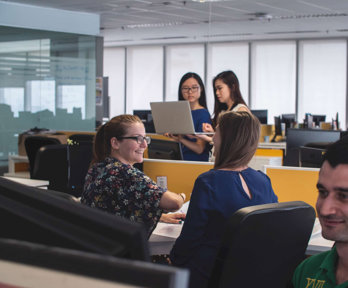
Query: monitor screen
(289,120)
(303,137)
(164,149)
(146,117)
(311,157)
(24,264)
(277,128)
(38,216)
(261,115)
(318,118)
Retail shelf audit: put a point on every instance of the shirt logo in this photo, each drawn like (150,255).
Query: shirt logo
(314,283)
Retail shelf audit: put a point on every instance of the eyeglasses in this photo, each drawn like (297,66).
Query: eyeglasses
(192,89)
(139,139)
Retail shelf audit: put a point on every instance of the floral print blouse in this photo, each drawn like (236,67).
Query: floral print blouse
(123,190)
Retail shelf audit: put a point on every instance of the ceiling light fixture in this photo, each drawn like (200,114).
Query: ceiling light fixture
(260,16)
(206,1)
(151,25)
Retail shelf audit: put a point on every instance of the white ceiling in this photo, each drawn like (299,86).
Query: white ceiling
(176,21)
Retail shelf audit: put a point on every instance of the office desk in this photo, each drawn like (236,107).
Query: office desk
(29,182)
(164,236)
(18,165)
(272,145)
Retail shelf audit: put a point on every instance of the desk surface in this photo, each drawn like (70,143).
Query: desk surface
(272,145)
(164,236)
(29,182)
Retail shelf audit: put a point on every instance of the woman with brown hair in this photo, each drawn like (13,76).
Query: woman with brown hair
(220,192)
(112,183)
(227,97)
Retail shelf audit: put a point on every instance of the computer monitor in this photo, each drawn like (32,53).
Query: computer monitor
(261,115)
(277,128)
(289,120)
(164,149)
(311,157)
(146,117)
(318,118)
(304,137)
(37,216)
(25,264)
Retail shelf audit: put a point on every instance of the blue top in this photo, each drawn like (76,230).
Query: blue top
(216,195)
(199,117)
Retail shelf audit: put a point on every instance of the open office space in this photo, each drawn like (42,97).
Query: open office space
(68,66)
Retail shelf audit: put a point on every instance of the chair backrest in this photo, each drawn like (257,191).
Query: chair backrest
(262,245)
(79,158)
(81,137)
(33,144)
(51,164)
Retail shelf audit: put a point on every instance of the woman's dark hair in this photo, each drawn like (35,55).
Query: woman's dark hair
(231,80)
(202,99)
(240,133)
(116,127)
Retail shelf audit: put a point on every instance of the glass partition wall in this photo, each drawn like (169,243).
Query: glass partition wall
(47,80)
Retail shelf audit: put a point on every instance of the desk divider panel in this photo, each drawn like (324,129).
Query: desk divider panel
(181,175)
(269,152)
(294,183)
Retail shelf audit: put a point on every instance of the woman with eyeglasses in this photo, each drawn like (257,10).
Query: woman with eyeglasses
(191,88)
(114,185)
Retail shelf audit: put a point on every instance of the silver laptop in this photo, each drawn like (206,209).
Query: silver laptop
(173,117)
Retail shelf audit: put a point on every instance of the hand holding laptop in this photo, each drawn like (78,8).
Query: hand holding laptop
(206,127)
(175,137)
(174,118)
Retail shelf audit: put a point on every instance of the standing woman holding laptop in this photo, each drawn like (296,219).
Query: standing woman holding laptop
(191,89)
(227,97)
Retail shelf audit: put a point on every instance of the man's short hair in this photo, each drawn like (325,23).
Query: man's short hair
(337,153)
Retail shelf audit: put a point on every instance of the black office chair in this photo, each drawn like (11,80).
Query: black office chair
(51,164)
(79,158)
(262,245)
(81,138)
(33,144)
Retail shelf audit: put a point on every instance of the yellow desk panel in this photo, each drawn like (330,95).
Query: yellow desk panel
(181,175)
(269,152)
(294,184)
(266,130)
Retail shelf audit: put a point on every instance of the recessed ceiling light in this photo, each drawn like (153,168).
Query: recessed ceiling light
(204,1)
